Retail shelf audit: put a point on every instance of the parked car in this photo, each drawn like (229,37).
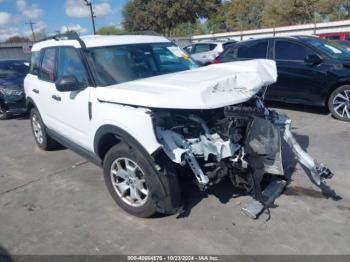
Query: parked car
(138,106)
(311,71)
(12,98)
(206,52)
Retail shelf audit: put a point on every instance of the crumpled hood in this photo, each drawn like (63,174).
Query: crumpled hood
(208,87)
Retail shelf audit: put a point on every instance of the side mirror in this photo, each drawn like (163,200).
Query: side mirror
(313,60)
(67,84)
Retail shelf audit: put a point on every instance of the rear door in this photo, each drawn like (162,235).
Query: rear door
(72,116)
(298,82)
(256,49)
(45,87)
(253,50)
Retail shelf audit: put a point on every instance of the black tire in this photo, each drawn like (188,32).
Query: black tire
(149,207)
(46,143)
(338,109)
(3,114)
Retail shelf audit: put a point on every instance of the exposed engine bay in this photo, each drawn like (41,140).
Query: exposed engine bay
(241,141)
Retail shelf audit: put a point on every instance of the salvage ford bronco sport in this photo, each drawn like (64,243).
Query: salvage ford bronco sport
(138,106)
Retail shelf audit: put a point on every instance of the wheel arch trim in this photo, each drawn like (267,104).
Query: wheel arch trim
(345,82)
(30,101)
(130,140)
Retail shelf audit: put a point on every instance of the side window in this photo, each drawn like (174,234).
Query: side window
(47,72)
(253,50)
(212,46)
(201,48)
(34,63)
(188,49)
(230,53)
(286,50)
(70,64)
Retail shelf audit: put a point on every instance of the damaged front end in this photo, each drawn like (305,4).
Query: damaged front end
(241,141)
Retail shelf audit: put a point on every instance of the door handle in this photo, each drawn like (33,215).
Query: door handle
(36,91)
(57,98)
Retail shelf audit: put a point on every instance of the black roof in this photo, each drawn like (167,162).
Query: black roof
(279,37)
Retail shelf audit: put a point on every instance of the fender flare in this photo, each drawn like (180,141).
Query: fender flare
(29,101)
(122,135)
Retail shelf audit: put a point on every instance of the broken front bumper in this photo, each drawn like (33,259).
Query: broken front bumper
(258,154)
(317,172)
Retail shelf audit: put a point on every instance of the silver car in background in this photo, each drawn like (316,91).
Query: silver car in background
(207,51)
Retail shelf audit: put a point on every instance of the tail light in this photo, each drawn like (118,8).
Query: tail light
(215,62)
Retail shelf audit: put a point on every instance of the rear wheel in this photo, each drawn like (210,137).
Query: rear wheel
(3,114)
(339,103)
(42,139)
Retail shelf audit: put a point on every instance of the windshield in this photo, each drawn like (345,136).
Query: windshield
(12,69)
(118,64)
(331,48)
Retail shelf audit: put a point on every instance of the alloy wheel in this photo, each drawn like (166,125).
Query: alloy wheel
(341,104)
(129,182)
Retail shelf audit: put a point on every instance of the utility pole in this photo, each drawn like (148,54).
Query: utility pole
(315,24)
(89,4)
(30,23)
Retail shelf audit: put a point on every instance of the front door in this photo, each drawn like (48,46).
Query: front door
(72,108)
(298,82)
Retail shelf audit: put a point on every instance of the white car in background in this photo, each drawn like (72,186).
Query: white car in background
(206,52)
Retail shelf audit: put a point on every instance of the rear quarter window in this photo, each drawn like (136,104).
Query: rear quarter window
(34,63)
(47,72)
(253,50)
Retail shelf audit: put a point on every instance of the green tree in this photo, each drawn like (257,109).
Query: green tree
(289,12)
(335,9)
(164,16)
(219,21)
(189,29)
(17,39)
(236,15)
(245,14)
(109,30)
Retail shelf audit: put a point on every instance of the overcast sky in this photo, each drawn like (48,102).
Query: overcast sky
(53,15)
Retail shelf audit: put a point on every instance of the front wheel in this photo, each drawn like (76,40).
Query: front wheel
(339,103)
(127,175)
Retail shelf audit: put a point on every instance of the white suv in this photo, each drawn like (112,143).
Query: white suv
(138,106)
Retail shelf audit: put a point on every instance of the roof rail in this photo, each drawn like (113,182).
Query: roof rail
(67,36)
